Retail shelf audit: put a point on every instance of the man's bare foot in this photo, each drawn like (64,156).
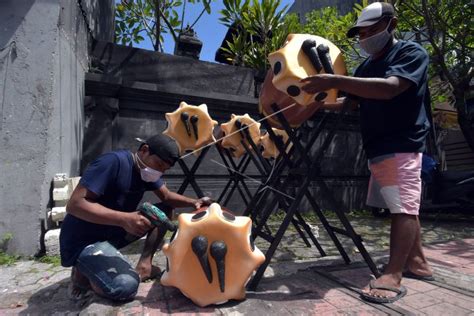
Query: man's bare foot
(386,280)
(147,272)
(422,269)
(79,287)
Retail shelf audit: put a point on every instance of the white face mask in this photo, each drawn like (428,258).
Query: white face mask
(148,174)
(374,44)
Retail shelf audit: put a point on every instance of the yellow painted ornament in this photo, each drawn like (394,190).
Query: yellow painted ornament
(233,142)
(212,256)
(270,150)
(190,126)
(301,56)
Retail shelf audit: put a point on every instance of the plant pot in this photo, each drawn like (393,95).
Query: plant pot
(258,79)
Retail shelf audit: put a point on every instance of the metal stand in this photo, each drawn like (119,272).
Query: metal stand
(301,168)
(189,174)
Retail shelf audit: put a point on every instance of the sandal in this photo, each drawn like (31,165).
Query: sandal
(401,292)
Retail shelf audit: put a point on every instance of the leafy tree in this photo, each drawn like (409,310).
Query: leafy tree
(137,19)
(445,29)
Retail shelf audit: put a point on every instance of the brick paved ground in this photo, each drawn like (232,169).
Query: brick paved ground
(297,283)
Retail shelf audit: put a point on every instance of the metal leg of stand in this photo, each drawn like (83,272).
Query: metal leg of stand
(281,231)
(190,173)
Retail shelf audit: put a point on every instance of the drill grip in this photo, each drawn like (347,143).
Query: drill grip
(156,216)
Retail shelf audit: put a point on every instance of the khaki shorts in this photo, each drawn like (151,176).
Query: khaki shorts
(395,182)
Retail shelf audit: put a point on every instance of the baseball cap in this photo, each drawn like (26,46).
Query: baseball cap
(164,147)
(370,15)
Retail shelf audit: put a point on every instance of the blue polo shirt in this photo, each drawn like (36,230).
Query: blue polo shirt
(116,181)
(399,125)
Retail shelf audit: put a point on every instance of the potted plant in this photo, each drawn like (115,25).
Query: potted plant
(261,27)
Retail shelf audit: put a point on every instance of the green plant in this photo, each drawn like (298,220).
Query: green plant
(5,258)
(5,240)
(261,29)
(137,19)
(328,23)
(53,260)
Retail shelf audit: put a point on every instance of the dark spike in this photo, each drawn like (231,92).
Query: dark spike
(199,246)
(325,58)
(194,120)
(228,216)
(238,123)
(246,130)
(252,243)
(320,96)
(277,68)
(184,119)
(293,91)
(309,49)
(218,251)
(198,215)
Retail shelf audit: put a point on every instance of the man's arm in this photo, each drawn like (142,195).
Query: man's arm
(177,200)
(368,88)
(337,106)
(83,204)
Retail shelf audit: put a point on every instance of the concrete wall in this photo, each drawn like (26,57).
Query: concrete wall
(135,88)
(43,58)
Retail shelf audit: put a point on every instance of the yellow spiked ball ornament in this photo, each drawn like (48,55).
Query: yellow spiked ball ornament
(270,150)
(190,126)
(212,256)
(232,137)
(301,56)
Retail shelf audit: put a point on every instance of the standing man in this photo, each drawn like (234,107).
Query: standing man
(102,217)
(390,87)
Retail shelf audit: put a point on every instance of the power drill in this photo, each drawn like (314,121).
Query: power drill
(156,216)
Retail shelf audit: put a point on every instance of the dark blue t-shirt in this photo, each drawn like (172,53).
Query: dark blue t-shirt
(398,125)
(116,181)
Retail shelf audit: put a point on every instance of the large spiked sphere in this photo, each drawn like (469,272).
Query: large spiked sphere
(212,256)
(301,56)
(233,133)
(190,126)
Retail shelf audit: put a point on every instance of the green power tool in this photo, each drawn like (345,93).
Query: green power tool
(156,216)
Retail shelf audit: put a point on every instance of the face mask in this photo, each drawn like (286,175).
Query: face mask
(374,44)
(148,174)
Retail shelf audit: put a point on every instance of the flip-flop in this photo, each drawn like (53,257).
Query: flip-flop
(401,292)
(411,275)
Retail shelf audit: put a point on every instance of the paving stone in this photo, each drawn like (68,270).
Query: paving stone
(419,301)
(445,309)
(452,297)
(419,286)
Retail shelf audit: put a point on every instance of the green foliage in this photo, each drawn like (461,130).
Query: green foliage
(53,260)
(445,29)
(328,23)
(262,29)
(6,259)
(137,19)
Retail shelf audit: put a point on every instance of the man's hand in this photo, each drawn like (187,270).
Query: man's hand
(204,201)
(318,83)
(136,224)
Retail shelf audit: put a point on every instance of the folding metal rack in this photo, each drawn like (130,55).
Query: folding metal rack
(299,164)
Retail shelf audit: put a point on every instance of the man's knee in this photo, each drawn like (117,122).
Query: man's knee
(123,288)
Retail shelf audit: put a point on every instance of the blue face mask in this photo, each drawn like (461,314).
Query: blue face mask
(374,44)
(148,174)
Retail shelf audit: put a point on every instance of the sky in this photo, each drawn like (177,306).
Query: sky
(208,29)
